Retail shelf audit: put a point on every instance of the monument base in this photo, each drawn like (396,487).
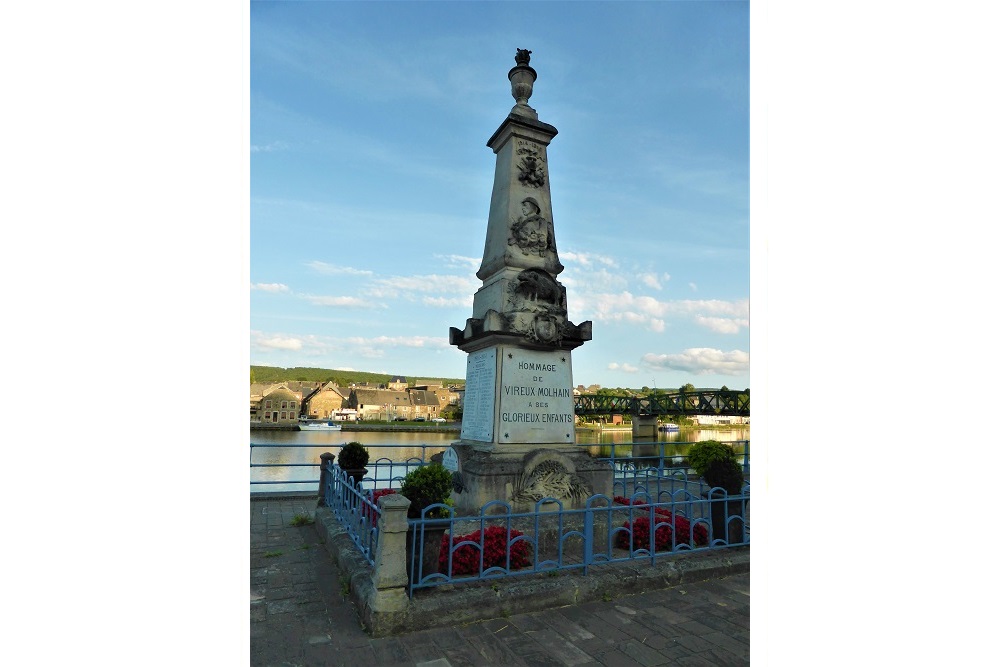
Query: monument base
(521,475)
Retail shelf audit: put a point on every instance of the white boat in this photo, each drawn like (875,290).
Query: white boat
(670,428)
(318,425)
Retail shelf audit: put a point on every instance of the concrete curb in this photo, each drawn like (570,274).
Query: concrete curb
(450,605)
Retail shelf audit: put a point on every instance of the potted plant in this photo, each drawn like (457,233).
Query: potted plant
(425,486)
(716,464)
(352,459)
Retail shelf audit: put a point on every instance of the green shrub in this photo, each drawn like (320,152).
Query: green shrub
(352,456)
(726,473)
(703,453)
(425,486)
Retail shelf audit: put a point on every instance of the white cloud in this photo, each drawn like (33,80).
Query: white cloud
(587,259)
(653,280)
(336,270)
(471,263)
(278,343)
(428,283)
(340,301)
(444,302)
(715,314)
(701,361)
(267,148)
(269,287)
(627,368)
(379,347)
(721,324)
(693,286)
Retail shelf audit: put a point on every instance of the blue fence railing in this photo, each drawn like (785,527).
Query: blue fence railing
(304,473)
(631,461)
(656,512)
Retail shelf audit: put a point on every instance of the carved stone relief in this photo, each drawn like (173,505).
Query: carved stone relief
(531,165)
(530,232)
(549,479)
(537,307)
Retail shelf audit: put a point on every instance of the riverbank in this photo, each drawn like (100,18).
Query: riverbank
(347,427)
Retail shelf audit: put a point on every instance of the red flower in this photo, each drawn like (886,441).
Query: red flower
(665,522)
(495,548)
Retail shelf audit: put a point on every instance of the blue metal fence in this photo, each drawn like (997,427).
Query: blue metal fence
(551,538)
(653,460)
(657,511)
(311,482)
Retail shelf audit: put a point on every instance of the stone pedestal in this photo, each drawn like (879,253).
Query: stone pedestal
(522,475)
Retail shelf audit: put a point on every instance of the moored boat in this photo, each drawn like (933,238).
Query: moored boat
(318,425)
(669,428)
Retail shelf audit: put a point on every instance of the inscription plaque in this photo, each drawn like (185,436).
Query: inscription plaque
(450,460)
(536,397)
(480,393)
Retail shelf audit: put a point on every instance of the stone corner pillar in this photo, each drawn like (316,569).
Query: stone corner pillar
(325,460)
(389,580)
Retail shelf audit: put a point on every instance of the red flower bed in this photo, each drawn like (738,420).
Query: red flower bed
(373,514)
(639,528)
(495,547)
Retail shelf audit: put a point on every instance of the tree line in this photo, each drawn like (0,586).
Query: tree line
(269,374)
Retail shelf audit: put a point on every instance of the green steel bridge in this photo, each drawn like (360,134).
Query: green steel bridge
(726,402)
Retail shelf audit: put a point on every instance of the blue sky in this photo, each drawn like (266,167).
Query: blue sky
(370,180)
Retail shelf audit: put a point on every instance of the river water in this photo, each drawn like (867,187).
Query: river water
(294,455)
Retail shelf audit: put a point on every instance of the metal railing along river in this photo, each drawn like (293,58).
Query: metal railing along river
(636,460)
(657,510)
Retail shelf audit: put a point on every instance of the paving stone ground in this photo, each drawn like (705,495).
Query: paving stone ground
(301,616)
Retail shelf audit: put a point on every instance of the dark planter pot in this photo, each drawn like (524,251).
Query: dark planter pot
(356,474)
(727,509)
(433,536)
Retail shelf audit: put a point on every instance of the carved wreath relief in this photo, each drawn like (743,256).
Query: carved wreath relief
(531,165)
(550,479)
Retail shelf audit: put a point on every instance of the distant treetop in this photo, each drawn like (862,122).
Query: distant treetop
(266,374)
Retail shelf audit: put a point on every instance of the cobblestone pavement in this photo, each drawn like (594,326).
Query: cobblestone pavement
(301,616)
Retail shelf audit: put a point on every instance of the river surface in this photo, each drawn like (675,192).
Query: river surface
(277,457)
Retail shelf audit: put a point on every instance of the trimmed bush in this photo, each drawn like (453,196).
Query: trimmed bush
(352,456)
(725,473)
(425,486)
(703,453)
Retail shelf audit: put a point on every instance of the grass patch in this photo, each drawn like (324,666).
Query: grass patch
(302,520)
(272,554)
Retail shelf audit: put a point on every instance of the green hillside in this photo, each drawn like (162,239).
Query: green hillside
(342,378)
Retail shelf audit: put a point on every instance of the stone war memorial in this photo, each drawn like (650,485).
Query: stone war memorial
(518,436)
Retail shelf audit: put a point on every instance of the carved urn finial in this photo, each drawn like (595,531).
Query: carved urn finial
(522,78)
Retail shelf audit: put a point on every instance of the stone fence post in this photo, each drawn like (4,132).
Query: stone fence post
(389,580)
(325,459)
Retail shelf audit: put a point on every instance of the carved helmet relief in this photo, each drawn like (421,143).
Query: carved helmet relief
(531,232)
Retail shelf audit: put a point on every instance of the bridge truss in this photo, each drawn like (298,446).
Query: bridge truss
(728,402)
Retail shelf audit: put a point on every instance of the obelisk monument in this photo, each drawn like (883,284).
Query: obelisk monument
(518,439)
